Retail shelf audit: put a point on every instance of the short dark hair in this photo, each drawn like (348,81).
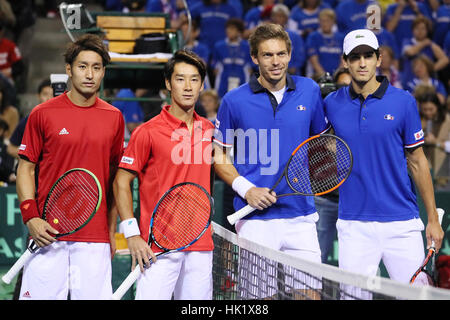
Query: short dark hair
(186,56)
(237,23)
(44,83)
(377,53)
(87,42)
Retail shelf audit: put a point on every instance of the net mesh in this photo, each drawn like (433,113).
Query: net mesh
(319,165)
(72,201)
(244,270)
(181,216)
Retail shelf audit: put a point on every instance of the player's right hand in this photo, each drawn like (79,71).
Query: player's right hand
(260,198)
(41,232)
(140,252)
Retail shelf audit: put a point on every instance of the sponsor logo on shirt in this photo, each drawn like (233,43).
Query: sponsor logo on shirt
(388,117)
(22,147)
(418,135)
(301,108)
(63,131)
(127,160)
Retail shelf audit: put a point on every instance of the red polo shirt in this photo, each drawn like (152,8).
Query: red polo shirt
(163,153)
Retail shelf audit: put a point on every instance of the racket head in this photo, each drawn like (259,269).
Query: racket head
(181,216)
(72,201)
(422,276)
(319,165)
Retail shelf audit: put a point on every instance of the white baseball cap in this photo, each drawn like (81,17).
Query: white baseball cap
(359,37)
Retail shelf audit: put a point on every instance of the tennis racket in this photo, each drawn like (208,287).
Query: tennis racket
(319,165)
(71,203)
(180,218)
(430,256)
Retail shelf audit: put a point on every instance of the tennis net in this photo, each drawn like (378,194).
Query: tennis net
(244,270)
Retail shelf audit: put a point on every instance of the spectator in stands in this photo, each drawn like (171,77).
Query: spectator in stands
(280,15)
(23,32)
(44,93)
(7,174)
(386,38)
(11,63)
(324,47)
(352,15)
(212,16)
(441,22)
(131,110)
(436,125)
(231,58)
(342,77)
(388,67)
(422,74)
(209,99)
(191,42)
(304,17)
(257,15)
(8,113)
(174,8)
(421,43)
(400,16)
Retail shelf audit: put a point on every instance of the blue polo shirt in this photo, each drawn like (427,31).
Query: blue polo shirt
(265,133)
(377,130)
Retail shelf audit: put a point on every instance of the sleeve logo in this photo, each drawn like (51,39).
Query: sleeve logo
(22,147)
(127,160)
(418,135)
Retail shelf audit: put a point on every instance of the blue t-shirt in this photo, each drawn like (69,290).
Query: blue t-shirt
(377,130)
(328,48)
(441,24)
(352,15)
(131,110)
(404,27)
(233,62)
(264,134)
(212,20)
(301,21)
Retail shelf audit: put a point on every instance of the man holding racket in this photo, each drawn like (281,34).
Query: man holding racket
(378,211)
(278,111)
(171,148)
(73,130)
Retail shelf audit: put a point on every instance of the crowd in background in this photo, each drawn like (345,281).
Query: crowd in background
(414,37)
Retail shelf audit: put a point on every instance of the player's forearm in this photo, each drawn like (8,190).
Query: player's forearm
(420,173)
(123,196)
(223,166)
(25,186)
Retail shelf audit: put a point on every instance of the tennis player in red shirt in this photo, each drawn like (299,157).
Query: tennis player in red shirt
(171,148)
(74,130)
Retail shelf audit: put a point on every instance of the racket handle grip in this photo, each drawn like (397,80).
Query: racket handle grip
(238,215)
(127,283)
(7,278)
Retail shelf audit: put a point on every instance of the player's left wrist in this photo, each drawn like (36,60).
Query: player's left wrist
(129,228)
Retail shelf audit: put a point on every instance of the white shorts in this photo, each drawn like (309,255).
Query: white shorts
(296,236)
(187,275)
(363,244)
(84,268)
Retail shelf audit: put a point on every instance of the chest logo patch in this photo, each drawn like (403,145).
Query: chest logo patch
(388,117)
(63,131)
(301,108)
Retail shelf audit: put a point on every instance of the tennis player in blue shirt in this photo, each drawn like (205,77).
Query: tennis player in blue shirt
(269,117)
(378,212)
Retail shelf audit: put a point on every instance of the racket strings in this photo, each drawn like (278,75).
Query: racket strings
(72,201)
(319,165)
(181,217)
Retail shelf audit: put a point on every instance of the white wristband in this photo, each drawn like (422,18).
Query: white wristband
(129,228)
(241,186)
